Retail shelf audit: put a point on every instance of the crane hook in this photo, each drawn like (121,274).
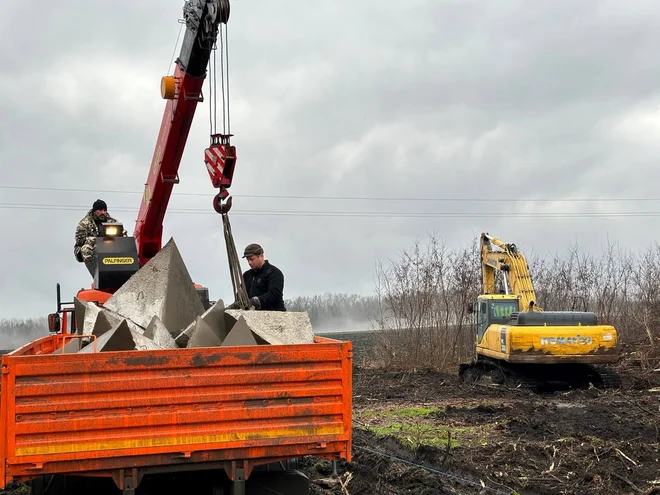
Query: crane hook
(218,205)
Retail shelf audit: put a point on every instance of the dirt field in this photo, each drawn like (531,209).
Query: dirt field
(484,439)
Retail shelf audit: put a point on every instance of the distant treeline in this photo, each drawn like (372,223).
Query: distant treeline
(337,312)
(16,332)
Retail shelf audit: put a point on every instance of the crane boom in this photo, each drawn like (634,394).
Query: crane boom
(183,91)
(512,263)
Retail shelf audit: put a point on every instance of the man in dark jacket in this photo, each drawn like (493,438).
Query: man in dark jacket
(264,282)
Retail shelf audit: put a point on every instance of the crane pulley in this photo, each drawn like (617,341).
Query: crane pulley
(220,156)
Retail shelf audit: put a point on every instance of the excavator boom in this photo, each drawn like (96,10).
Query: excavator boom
(512,263)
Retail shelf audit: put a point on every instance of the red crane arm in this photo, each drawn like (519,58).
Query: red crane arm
(183,91)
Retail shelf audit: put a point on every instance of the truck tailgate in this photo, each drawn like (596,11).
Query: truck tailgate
(98,412)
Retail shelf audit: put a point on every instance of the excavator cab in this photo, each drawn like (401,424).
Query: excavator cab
(493,309)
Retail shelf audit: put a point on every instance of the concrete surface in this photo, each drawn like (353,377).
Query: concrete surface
(162,288)
(157,332)
(215,318)
(105,321)
(72,346)
(89,319)
(240,334)
(121,338)
(276,327)
(203,335)
(79,307)
(183,337)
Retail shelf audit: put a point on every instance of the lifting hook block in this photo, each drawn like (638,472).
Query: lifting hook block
(218,205)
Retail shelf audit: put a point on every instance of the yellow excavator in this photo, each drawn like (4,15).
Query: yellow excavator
(517,343)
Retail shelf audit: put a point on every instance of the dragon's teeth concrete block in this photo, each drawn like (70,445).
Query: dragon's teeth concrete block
(121,338)
(80,306)
(106,321)
(240,334)
(157,332)
(98,320)
(276,327)
(71,346)
(214,317)
(203,336)
(163,288)
(89,314)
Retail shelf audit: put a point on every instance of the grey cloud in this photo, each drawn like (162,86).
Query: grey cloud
(423,99)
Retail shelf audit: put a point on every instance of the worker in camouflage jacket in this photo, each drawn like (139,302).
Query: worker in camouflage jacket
(86,232)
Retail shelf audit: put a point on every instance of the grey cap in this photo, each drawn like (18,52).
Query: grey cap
(251,249)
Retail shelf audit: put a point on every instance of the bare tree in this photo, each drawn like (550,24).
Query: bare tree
(423,296)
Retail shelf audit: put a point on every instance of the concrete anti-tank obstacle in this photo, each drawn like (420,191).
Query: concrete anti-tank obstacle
(203,335)
(214,317)
(72,346)
(184,336)
(121,338)
(159,308)
(276,327)
(90,314)
(96,320)
(105,321)
(157,332)
(162,287)
(80,307)
(240,334)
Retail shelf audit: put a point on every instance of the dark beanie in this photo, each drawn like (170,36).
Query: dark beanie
(99,204)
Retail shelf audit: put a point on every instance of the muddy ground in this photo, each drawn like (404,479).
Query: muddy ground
(485,439)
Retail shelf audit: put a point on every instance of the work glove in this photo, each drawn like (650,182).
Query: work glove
(255,302)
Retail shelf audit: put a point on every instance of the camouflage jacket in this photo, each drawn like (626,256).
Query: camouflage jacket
(86,232)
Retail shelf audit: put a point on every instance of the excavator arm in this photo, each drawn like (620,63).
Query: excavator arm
(513,265)
(183,91)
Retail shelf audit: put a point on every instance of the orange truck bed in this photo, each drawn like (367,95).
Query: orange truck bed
(112,413)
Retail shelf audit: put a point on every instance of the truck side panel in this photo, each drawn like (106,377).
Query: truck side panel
(125,409)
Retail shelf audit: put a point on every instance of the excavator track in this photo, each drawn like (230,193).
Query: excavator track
(537,378)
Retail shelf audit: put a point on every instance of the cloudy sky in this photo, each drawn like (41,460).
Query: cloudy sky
(440,105)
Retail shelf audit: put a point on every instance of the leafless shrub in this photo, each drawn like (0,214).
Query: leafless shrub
(423,297)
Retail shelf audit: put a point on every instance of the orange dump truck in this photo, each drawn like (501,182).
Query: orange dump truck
(125,414)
